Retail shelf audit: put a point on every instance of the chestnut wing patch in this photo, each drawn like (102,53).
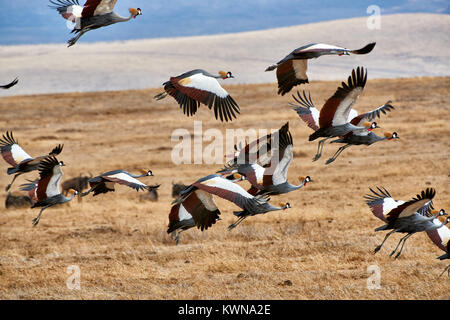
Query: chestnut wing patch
(291,73)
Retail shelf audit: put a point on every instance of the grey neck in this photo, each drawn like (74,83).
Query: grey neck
(123,19)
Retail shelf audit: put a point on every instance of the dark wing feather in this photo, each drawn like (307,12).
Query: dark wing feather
(304,110)
(288,77)
(369,116)
(335,104)
(11,84)
(422,204)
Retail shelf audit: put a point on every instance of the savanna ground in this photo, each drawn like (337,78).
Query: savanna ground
(319,249)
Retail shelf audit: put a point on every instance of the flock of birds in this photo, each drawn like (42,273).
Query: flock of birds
(263,163)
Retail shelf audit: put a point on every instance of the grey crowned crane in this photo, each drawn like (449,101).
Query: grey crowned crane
(197,209)
(48,189)
(272,179)
(93,15)
(333,120)
(20,161)
(364,137)
(11,84)
(104,183)
(217,185)
(441,238)
(197,87)
(405,217)
(258,151)
(360,138)
(291,71)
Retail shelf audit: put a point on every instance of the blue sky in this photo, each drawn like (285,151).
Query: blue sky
(32,21)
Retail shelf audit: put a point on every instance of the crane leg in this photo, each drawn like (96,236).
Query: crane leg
(86,193)
(36,220)
(14,179)
(446,269)
(385,238)
(401,248)
(233,225)
(398,244)
(73,40)
(319,149)
(337,153)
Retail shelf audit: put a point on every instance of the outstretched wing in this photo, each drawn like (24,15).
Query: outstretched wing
(257,151)
(223,188)
(421,204)
(337,108)
(124,178)
(316,50)
(440,236)
(11,151)
(369,116)
(50,178)
(381,202)
(282,155)
(97,7)
(306,110)
(291,73)
(69,9)
(207,90)
(11,84)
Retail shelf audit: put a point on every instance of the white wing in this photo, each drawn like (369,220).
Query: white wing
(201,82)
(19,154)
(53,187)
(280,173)
(104,7)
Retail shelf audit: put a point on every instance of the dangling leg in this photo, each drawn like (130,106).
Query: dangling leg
(398,244)
(72,41)
(319,149)
(36,220)
(404,241)
(86,193)
(385,238)
(337,153)
(233,225)
(14,179)
(446,269)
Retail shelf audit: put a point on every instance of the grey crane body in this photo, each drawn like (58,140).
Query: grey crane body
(357,139)
(278,189)
(410,225)
(96,22)
(262,209)
(360,140)
(49,202)
(335,131)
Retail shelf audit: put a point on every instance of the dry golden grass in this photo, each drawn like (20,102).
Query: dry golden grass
(318,249)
